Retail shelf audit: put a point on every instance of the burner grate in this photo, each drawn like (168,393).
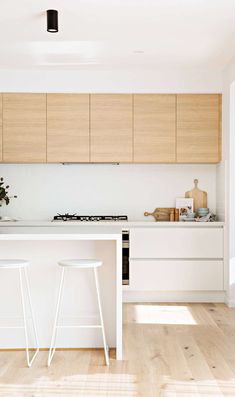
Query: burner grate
(89,218)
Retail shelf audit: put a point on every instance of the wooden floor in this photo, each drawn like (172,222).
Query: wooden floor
(170,350)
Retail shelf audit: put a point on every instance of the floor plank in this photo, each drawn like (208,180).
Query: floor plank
(170,350)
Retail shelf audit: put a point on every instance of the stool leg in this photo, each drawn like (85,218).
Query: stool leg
(32,316)
(29,363)
(101,317)
(54,332)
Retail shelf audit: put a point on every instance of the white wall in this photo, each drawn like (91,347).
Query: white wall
(43,190)
(130,80)
(229,175)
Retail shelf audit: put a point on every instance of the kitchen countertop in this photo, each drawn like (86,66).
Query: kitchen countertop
(68,233)
(121,224)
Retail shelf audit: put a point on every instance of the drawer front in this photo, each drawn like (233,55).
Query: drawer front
(168,275)
(176,242)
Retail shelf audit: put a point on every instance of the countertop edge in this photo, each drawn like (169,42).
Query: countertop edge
(122,224)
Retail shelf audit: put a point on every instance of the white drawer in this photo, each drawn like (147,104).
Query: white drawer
(176,242)
(178,275)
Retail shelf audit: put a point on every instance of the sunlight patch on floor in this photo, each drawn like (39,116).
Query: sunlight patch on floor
(160,314)
(91,385)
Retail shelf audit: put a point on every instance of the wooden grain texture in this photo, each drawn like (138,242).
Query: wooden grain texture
(220,128)
(198,128)
(180,350)
(199,197)
(154,128)
(111,128)
(0,127)
(67,127)
(24,128)
(160,214)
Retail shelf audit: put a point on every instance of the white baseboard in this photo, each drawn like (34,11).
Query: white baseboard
(230,303)
(183,296)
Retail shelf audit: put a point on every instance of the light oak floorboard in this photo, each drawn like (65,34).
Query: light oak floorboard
(170,350)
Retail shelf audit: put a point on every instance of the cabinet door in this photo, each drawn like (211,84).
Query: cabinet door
(198,128)
(0,127)
(111,128)
(154,128)
(24,128)
(176,275)
(177,242)
(67,128)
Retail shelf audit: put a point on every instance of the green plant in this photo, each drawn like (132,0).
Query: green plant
(4,193)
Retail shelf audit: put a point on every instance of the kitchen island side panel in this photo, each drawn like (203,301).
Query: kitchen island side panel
(79,303)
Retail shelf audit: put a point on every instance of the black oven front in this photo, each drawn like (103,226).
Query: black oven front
(125,257)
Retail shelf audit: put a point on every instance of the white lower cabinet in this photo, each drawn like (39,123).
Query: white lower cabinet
(177,259)
(176,242)
(176,275)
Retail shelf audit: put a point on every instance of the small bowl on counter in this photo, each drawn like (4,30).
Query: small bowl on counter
(203,211)
(190,216)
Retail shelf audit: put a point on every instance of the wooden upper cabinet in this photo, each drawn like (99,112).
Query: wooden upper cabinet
(111,128)
(0,127)
(68,128)
(154,128)
(198,128)
(125,128)
(24,128)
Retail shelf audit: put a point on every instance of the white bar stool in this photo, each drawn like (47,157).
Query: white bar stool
(21,265)
(78,264)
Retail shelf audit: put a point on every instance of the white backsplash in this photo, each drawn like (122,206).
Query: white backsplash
(45,189)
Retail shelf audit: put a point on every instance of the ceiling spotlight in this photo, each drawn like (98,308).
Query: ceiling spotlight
(52,21)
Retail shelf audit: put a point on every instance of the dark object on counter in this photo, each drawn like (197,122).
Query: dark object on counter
(208,218)
(89,218)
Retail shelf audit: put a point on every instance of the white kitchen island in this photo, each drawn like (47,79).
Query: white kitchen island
(44,246)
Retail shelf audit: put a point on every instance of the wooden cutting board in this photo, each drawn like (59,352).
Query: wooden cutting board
(160,214)
(199,197)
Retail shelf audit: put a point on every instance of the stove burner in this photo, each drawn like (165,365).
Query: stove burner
(89,218)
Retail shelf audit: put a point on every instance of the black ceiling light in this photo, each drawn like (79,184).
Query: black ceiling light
(52,21)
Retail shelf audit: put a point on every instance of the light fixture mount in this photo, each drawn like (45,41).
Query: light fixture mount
(52,21)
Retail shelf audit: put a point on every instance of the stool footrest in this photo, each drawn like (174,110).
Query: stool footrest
(12,327)
(79,326)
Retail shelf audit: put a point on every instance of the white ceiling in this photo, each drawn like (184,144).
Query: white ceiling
(118,34)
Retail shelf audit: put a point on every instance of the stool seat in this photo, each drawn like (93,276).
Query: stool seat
(13,263)
(80,263)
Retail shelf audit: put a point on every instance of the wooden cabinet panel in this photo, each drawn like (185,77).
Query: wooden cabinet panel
(111,128)
(68,127)
(24,128)
(176,275)
(0,127)
(198,128)
(154,128)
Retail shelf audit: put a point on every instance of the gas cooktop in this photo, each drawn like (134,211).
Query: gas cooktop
(89,218)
